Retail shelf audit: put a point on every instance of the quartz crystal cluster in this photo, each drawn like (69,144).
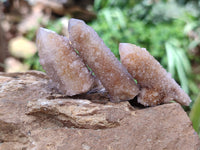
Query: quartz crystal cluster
(66,62)
(112,74)
(67,73)
(156,84)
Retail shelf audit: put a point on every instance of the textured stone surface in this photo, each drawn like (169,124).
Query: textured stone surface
(112,74)
(157,85)
(34,117)
(68,73)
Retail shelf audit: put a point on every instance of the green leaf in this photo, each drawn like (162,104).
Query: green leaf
(120,17)
(184,60)
(195,114)
(170,58)
(194,44)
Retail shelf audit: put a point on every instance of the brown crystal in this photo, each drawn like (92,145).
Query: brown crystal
(67,73)
(157,86)
(114,77)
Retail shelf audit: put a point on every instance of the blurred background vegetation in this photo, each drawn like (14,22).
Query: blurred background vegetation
(168,29)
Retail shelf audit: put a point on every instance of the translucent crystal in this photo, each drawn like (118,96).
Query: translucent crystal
(66,71)
(114,77)
(157,86)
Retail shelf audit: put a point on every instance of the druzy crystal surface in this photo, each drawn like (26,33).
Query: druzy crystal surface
(67,73)
(157,86)
(112,74)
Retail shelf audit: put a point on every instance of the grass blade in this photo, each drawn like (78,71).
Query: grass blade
(195,114)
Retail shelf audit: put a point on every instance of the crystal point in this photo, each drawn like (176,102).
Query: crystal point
(112,74)
(156,84)
(67,73)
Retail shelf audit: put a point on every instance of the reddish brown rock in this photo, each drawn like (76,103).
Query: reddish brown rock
(34,117)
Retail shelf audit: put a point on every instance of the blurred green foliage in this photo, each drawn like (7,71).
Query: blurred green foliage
(33,63)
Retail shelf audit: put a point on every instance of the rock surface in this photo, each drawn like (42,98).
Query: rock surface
(33,116)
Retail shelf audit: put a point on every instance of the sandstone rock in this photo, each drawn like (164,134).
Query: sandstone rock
(32,116)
